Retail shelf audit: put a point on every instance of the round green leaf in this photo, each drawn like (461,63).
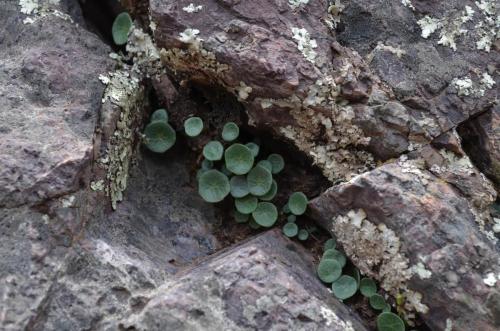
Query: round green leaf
(246,205)
(351,270)
(336,255)
(207,164)
(213,150)
(303,234)
(277,163)
(377,302)
(259,181)
(230,131)
(159,115)
(239,159)
(213,186)
(344,287)
(160,136)
(387,308)
(330,244)
(254,148)
(271,193)
(329,270)
(240,218)
(390,322)
(193,126)
(239,186)
(290,229)
(291,218)
(253,224)
(265,214)
(297,203)
(367,287)
(266,164)
(121,28)
(286,209)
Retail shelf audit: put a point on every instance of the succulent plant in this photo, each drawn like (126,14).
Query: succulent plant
(213,186)
(303,234)
(377,302)
(259,181)
(266,164)
(239,159)
(290,229)
(367,287)
(330,244)
(246,205)
(160,136)
(265,214)
(213,150)
(388,321)
(271,193)
(254,148)
(335,255)
(329,270)
(291,218)
(121,27)
(193,126)
(159,115)
(344,287)
(230,131)
(277,163)
(239,186)
(297,203)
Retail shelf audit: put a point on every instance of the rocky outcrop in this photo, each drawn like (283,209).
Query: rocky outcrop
(416,234)
(266,283)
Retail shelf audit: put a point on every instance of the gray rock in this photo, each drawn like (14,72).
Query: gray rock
(419,237)
(267,283)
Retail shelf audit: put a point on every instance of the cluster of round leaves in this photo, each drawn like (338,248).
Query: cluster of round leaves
(121,28)
(345,281)
(296,206)
(250,183)
(159,135)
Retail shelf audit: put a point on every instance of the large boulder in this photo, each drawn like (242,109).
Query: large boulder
(418,236)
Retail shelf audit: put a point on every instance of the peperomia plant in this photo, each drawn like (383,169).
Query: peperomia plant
(121,27)
(159,135)
(345,282)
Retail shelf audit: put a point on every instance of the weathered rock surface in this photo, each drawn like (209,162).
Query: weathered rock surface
(267,283)
(412,231)
(285,63)
(481,140)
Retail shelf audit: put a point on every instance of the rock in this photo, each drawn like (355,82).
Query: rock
(343,109)
(418,236)
(52,98)
(481,141)
(268,282)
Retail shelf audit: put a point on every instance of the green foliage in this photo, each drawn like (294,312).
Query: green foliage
(239,186)
(277,163)
(377,302)
(121,27)
(390,322)
(193,126)
(329,270)
(160,136)
(230,131)
(159,115)
(271,193)
(259,181)
(265,214)
(291,218)
(207,164)
(213,186)
(239,159)
(266,164)
(303,235)
(335,255)
(351,270)
(344,287)
(213,150)
(246,205)
(290,229)
(297,203)
(367,287)
(286,209)
(330,244)
(254,148)
(240,217)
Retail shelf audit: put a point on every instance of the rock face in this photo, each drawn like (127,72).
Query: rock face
(283,60)
(416,234)
(266,283)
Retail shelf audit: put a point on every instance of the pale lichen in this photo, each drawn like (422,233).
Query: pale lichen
(192,8)
(491,279)
(465,86)
(296,3)
(407,3)
(376,251)
(305,44)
